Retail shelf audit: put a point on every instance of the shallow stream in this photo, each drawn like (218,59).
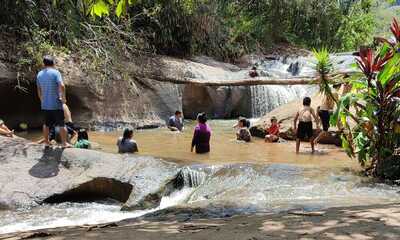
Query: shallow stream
(235,178)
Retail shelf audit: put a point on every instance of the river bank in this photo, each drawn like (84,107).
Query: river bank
(349,223)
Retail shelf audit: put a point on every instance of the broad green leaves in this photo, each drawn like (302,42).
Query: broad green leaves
(102,8)
(372,106)
(122,7)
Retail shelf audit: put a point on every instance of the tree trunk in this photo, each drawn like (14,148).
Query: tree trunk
(239,82)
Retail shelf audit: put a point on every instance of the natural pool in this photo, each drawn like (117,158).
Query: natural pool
(235,178)
(225,149)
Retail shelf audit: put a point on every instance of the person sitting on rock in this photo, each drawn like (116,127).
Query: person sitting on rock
(83,139)
(304,129)
(5,131)
(126,144)
(175,123)
(54,133)
(253,72)
(272,131)
(69,124)
(202,135)
(243,133)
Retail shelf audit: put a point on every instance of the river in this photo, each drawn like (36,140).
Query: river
(235,178)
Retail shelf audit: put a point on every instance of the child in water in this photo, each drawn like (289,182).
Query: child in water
(272,131)
(83,139)
(243,133)
(304,129)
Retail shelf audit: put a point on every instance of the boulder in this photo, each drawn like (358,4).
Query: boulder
(31,175)
(285,115)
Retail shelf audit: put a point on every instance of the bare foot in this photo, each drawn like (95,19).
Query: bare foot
(66,145)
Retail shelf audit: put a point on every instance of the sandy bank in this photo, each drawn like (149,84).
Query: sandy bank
(364,222)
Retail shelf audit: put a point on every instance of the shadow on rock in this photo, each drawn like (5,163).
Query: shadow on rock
(48,165)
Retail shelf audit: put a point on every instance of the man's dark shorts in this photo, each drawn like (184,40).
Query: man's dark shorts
(54,118)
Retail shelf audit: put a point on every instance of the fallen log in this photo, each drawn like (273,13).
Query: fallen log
(243,82)
(236,82)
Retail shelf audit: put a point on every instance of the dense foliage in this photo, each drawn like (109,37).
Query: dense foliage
(219,28)
(370,113)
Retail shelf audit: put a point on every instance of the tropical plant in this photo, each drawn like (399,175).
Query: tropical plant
(324,66)
(376,104)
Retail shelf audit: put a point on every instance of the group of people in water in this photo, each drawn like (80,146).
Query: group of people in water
(58,125)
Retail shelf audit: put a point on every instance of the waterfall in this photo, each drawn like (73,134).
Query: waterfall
(188,177)
(262,99)
(266,98)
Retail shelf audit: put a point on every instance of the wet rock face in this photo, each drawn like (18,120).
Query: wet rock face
(30,175)
(121,99)
(221,102)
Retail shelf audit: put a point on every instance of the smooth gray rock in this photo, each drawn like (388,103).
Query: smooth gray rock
(30,175)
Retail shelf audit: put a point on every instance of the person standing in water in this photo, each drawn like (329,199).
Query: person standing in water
(51,91)
(202,135)
(325,111)
(175,123)
(126,144)
(304,129)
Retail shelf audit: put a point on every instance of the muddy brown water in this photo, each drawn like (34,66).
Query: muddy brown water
(174,146)
(234,178)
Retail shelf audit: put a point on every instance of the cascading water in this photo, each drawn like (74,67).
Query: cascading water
(233,189)
(265,98)
(188,177)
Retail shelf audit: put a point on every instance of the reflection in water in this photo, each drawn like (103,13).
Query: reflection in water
(224,148)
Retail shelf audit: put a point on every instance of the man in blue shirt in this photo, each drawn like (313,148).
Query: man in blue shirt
(175,123)
(51,91)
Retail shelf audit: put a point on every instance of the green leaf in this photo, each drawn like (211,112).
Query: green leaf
(121,7)
(100,8)
(391,68)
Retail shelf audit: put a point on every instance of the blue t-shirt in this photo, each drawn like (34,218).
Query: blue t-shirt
(175,122)
(49,80)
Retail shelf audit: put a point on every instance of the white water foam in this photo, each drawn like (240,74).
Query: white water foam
(77,214)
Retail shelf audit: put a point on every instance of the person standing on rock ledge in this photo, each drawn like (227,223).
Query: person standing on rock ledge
(51,92)
(175,123)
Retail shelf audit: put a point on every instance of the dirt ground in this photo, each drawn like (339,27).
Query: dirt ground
(352,223)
